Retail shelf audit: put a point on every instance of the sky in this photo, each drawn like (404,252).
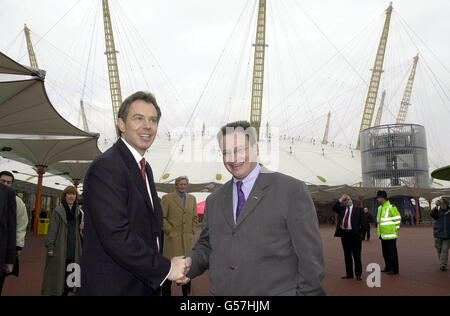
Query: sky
(196,55)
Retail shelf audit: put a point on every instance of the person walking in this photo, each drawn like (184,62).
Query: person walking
(388,220)
(441,228)
(180,222)
(63,244)
(351,223)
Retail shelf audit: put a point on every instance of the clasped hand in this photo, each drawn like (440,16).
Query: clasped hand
(180,268)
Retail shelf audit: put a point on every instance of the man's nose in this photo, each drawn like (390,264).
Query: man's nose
(147,124)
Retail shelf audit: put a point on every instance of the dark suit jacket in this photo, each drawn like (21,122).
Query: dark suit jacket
(357,219)
(8,227)
(119,246)
(274,248)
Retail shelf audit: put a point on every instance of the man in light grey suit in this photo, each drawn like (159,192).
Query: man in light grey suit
(260,233)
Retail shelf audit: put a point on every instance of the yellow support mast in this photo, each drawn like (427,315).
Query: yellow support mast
(258,68)
(327,130)
(83,115)
(380,109)
(113,69)
(407,94)
(31,54)
(372,94)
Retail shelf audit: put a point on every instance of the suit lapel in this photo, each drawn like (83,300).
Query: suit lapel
(255,196)
(227,204)
(156,209)
(178,200)
(355,217)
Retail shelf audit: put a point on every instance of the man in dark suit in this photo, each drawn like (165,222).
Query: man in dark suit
(260,234)
(368,218)
(7,230)
(123,217)
(351,223)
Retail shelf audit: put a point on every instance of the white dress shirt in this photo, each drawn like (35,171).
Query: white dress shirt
(349,217)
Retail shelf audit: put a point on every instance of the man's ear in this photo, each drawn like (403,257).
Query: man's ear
(121,124)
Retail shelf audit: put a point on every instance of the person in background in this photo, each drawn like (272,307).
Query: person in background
(43,214)
(7,231)
(7,178)
(351,223)
(180,222)
(441,215)
(63,244)
(388,220)
(368,218)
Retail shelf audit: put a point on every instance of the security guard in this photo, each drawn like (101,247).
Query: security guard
(388,223)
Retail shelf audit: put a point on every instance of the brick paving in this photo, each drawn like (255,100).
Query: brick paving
(419,268)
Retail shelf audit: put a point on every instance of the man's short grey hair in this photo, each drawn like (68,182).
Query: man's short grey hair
(239,127)
(179,179)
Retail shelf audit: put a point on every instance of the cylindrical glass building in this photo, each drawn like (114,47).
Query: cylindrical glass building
(394,155)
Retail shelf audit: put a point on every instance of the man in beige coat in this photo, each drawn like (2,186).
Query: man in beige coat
(180,222)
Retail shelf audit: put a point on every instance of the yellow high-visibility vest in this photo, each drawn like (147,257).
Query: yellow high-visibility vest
(388,219)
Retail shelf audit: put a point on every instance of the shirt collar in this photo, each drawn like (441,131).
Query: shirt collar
(137,156)
(251,176)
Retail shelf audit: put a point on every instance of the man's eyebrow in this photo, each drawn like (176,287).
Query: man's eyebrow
(142,115)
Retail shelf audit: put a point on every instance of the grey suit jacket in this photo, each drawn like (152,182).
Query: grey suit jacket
(274,248)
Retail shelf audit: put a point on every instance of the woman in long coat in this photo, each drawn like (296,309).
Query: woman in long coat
(63,243)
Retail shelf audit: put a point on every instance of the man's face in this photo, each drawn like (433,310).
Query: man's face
(381,200)
(239,157)
(141,125)
(6,180)
(182,186)
(347,201)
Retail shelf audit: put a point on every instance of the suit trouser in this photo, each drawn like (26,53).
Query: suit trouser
(2,279)
(442,247)
(352,245)
(390,255)
(365,232)
(166,288)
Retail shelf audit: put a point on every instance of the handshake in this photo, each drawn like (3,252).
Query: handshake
(180,267)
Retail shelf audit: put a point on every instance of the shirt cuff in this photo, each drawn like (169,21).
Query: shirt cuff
(167,274)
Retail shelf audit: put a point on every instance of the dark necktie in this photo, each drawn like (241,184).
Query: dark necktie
(144,176)
(347,215)
(241,199)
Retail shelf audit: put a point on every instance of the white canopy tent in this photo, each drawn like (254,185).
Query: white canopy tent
(32,131)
